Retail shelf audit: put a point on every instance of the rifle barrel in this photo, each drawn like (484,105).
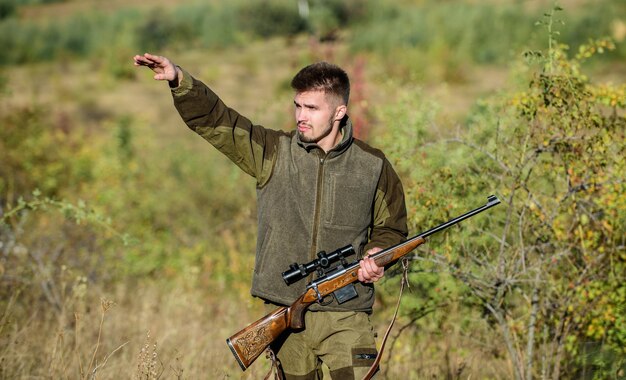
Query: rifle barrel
(413,242)
(492,200)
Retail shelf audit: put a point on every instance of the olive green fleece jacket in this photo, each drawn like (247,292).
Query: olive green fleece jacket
(307,200)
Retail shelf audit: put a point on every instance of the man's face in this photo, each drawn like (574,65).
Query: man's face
(316,114)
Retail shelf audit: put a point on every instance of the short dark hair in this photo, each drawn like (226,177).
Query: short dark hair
(323,76)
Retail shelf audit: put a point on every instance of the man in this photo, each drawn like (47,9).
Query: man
(318,189)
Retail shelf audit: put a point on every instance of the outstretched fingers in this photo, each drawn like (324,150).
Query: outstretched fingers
(143,60)
(163,68)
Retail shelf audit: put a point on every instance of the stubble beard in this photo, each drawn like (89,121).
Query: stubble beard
(313,138)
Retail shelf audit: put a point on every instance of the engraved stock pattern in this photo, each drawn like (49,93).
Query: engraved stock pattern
(254,341)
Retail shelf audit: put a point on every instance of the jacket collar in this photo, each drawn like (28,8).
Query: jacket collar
(345,128)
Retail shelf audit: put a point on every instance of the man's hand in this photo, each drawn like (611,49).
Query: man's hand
(369,271)
(163,67)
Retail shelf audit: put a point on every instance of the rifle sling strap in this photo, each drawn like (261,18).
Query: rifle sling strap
(275,367)
(374,367)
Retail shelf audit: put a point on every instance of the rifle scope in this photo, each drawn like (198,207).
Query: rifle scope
(297,271)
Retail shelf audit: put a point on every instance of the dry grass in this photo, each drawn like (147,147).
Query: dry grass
(175,331)
(149,333)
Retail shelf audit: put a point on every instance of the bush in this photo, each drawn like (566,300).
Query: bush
(547,266)
(7,8)
(271,18)
(33,151)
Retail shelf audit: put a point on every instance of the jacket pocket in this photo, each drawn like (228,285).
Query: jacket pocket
(350,201)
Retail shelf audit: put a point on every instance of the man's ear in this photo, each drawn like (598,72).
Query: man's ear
(340,111)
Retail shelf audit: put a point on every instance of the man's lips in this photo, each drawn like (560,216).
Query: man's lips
(303,127)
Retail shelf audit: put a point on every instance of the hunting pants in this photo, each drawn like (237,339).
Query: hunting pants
(343,341)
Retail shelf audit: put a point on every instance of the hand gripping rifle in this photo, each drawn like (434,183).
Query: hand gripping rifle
(247,344)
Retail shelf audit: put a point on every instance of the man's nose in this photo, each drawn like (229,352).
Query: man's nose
(301,115)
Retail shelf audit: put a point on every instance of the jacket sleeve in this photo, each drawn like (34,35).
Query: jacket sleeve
(389,224)
(249,146)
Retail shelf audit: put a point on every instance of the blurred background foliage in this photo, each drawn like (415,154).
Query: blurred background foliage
(461,31)
(119,229)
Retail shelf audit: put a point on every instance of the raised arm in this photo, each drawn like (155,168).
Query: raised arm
(251,147)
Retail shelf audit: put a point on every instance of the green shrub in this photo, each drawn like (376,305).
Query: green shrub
(546,267)
(7,8)
(271,18)
(34,150)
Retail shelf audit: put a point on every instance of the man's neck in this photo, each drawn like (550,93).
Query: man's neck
(333,139)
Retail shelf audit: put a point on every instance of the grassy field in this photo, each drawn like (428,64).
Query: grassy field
(183,314)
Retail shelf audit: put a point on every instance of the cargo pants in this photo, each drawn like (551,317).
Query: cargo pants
(343,341)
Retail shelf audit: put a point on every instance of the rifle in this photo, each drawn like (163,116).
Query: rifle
(247,344)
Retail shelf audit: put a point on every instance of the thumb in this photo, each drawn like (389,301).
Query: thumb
(160,76)
(373,251)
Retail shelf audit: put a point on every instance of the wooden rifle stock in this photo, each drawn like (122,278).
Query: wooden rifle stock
(247,344)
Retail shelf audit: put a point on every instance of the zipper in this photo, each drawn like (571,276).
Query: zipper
(318,200)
